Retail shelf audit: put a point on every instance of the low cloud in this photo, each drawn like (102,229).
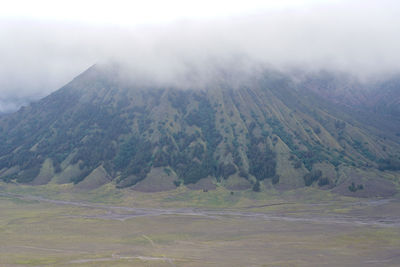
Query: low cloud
(360,37)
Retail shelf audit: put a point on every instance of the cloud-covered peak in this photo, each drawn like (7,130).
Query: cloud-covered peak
(360,37)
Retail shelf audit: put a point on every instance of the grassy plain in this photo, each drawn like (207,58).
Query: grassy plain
(301,228)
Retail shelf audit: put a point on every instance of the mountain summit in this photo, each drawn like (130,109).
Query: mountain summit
(264,131)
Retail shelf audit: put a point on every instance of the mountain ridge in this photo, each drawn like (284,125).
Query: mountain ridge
(268,129)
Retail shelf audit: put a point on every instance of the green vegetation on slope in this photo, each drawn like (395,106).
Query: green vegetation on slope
(254,132)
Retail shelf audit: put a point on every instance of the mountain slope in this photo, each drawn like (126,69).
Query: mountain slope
(376,102)
(264,128)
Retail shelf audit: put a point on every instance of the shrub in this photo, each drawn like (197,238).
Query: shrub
(297,165)
(275,179)
(244,174)
(226,170)
(311,177)
(177,183)
(262,161)
(256,187)
(167,171)
(353,188)
(80,177)
(28,175)
(391,164)
(323,181)
(340,125)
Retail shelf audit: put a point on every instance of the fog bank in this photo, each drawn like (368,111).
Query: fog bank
(359,37)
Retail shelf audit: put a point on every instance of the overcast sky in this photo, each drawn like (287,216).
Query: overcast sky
(44,44)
